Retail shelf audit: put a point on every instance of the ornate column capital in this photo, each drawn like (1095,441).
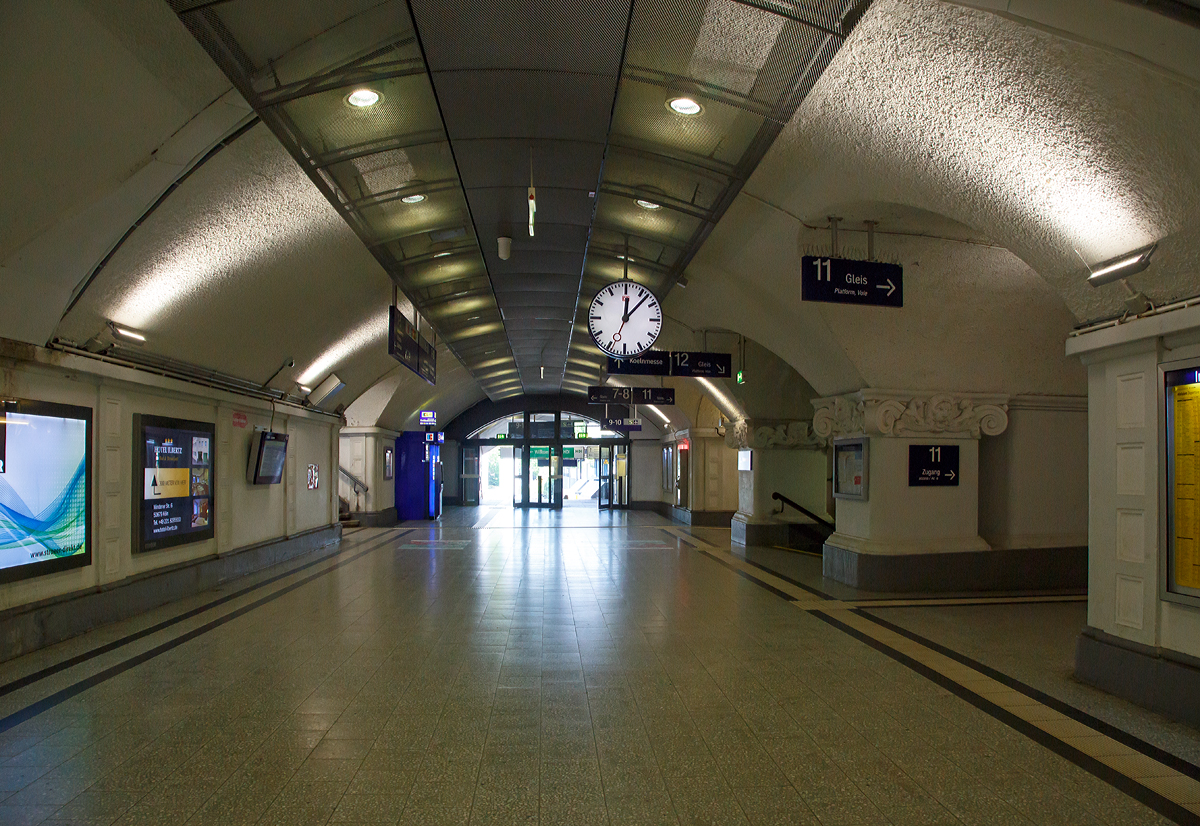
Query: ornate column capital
(911,413)
(767,434)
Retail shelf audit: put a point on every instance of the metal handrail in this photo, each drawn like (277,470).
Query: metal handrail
(781,498)
(357,482)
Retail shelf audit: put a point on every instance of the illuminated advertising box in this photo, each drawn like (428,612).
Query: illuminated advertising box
(45,488)
(174,463)
(428,418)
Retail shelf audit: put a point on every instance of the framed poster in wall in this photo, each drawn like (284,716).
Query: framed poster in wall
(45,488)
(1181,395)
(850,463)
(173,482)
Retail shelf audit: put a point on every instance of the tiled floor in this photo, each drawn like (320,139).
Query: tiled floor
(512,668)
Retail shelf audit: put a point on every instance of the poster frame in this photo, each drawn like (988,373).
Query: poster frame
(864,444)
(137,487)
(1168,590)
(36,407)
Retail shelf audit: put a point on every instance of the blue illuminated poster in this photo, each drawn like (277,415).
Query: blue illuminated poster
(44,510)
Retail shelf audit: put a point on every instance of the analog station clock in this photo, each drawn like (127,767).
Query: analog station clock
(625,319)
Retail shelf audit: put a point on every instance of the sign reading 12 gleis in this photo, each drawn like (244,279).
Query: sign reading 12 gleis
(624,319)
(845,281)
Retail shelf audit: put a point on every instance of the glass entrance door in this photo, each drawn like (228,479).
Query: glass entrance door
(621,477)
(519,477)
(469,475)
(604,475)
(545,476)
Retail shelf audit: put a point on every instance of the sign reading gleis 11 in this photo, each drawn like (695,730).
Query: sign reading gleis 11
(845,281)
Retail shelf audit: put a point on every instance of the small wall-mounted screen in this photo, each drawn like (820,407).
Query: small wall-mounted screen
(175,465)
(45,466)
(268,454)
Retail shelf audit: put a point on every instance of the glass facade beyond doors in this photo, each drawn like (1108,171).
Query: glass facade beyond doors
(550,458)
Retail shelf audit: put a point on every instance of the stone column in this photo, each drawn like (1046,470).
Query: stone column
(786,457)
(904,537)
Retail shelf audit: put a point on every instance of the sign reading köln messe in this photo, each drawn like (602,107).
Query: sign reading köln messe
(845,281)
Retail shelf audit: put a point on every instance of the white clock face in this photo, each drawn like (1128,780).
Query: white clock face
(624,319)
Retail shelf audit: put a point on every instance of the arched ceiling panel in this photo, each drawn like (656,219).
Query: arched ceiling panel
(244,266)
(1053,148)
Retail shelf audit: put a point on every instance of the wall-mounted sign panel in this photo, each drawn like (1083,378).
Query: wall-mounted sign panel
(745,460)
(409,348)
(933,466)
(850,464)
(174,499)
(631,395)
(845,281)
(314,477)
(1182,397)
(45,488)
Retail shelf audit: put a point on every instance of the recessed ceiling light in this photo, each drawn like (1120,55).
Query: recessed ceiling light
(362,98)
(644,204)
(685,106)
(413,199)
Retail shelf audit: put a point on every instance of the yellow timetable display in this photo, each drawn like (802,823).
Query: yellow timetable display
(1183,418)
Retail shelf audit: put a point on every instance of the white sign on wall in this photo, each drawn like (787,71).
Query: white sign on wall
(745,460)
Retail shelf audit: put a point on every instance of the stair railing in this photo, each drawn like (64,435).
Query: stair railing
(783,500)
(354,480)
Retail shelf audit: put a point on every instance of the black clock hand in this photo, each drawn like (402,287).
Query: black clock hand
(628,313)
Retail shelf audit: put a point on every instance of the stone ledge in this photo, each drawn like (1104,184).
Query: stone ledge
(1025,569)
(1155,678)
(30,627)
(377,519)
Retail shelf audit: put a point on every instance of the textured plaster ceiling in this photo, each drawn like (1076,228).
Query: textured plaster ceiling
(939,121)
(1051,148)
(243,266)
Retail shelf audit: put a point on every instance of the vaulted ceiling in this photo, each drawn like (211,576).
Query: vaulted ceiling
(605,139)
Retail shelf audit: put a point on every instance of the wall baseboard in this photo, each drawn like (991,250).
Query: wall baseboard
(1163,681)
(699,519)
(27,628)
(1025,569)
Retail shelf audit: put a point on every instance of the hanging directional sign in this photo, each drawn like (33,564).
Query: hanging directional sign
(702,365)
(631,395)
(649,363)
(622,425)
(932,466)
(844,281)
(674,363)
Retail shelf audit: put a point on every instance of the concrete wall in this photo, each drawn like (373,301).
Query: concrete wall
(1033,477)
(646,484)
(245,514)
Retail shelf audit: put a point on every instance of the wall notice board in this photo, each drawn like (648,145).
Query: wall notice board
(1183,441)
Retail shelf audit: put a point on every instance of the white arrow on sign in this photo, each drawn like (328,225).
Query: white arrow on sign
(891,288)
(950,473)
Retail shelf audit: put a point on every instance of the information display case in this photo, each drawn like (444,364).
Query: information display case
(1182,403)
(850,462)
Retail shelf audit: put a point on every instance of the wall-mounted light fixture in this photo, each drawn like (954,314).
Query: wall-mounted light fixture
(1123,266)
(124,334)
(325,389)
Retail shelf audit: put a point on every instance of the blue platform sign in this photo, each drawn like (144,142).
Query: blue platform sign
(845,281)
(933,466)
